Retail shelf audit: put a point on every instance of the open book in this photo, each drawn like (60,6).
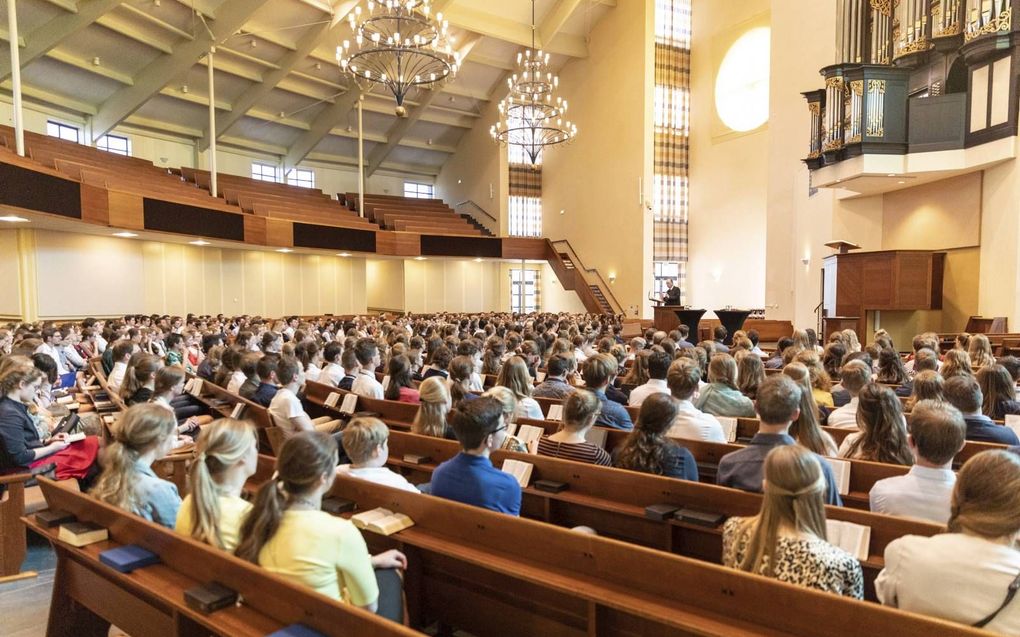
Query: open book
(729,427)
(382,521)
(597,436)
(1013,422)
(852,538)
(555,412)
(841,473)
(385,382)
(194,387)
(529,435)
(520,470)
(238,411)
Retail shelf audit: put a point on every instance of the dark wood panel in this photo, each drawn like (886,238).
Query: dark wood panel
(307,235)
(401,244)
(166,216)
(522,248)
(451,246)
(32,190)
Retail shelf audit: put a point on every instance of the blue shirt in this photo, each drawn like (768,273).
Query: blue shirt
(18,436)
(614,415)
(158,499)
(264,394)
(984,429)
(473,480)
(744,469)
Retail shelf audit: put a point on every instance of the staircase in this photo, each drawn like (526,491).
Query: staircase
(485,231)
(588,283)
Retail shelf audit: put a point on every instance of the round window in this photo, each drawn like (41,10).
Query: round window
(742,86)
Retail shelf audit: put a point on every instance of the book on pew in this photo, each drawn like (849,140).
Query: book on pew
(332,399)
(75,437)
(555,412)
(296,630)
(196,387)
(597,436)
(82,533)
(1013,422)
(529,435)
(551,486)
(841,473)
(414,458)
(385,382)
(127,558)
(382,521)
(700,518)
(336,506)
(210,597)
(520,470)
(50,518)
(852,538)
(729,427)
(69,379)
(350,404)
(238,411)
(660,512)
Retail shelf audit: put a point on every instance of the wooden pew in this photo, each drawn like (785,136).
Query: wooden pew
(88,596)
(489,573)
(222,403)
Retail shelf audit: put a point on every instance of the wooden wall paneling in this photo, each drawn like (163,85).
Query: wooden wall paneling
(95,205)
(523,248)
(280,233)
(401,244)
(255,230)
(914,273)
(126,210)
(878,279)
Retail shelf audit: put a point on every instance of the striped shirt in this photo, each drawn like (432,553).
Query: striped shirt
(576,451)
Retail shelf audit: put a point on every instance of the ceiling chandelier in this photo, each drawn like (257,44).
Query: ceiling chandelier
(530,117)
(398,44)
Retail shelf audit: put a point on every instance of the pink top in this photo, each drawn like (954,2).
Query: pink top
(408,395)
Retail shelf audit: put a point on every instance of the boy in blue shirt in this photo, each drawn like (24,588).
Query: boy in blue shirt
(469,477)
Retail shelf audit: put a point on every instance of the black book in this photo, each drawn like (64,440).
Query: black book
(54,517)
(660,512)
(550,486)
(210,597)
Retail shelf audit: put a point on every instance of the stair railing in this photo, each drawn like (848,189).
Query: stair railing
(587,276)
(479,214)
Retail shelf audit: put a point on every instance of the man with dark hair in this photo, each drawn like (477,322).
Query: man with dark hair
(719,335)
(658,367)
(964,393)
(469,477)
(776,360)
(1012,365)
(683,342)
(854,375)
(266,371)
(937,434)
(555,384)
(349,360)
(778,405)
(598,371)
(754,337)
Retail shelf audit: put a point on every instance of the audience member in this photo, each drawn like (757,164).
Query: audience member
(937,434)
(365,442)
(351,368)
(266,370)
(787,539)
(555,385)
(431,418)
(883,432)
(598,371)
(854,376)
(286,410)
(956,363)
(806,429)
(964,393)
(514,376)
(750,374)
(999,392)
(400,386)
(570,443)
(648,449)
(658,367)
(721,397)
(367,352)
(690,422)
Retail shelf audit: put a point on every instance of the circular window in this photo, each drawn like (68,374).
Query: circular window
(742,86)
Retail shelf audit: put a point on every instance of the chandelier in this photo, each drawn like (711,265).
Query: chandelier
(529,116)
(398,44)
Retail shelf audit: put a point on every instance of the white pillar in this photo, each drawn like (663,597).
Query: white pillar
(19,114)
(212,126)
(361,162)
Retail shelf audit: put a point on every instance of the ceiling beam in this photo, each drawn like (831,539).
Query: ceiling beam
(122,26)
(556,19)
(398,130)
(256,94)
(324,122)
(511,31)
(230,16)
(343,160)
(5,35)
(46,37)
(91,67)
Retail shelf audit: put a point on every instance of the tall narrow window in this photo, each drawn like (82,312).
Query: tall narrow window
(63,131)
(524,295)
(301,177)
(672,126)
(263,172)
(115,144)
(418,191)
(525,209)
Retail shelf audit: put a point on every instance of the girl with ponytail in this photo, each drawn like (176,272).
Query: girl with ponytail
(288,534)
(145,433)
(787,539)
(226,456)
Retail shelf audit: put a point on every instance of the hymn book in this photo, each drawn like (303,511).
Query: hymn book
(332,399)
(196,387)
(841,474)
(597,436)
(82,533)
(540,376)
(238,410)
(385,382)
(519,470)
(529,435)
(729,427)
(382,521)
(555,412)
(852,538)
(350,404)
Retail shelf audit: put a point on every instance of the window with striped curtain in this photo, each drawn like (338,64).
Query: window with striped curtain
(672,126)
(525,208)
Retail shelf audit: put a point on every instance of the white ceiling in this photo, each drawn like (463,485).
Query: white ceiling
(105,64)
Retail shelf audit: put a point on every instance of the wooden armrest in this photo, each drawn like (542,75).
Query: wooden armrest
(16,477)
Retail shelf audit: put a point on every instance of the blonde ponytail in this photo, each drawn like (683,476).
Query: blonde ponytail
(141,428)
(222,445)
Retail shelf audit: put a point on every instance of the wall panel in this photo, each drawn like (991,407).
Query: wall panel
(10,291)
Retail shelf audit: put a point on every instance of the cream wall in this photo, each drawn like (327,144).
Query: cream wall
(449,285)
(477,172)
(1000,243)
(595,180)
(385,283)
(728,172)
(936,216)
(10,274)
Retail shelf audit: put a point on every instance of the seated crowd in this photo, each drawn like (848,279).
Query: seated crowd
(474,378)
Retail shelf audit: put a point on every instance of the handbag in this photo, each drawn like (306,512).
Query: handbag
(1010,594)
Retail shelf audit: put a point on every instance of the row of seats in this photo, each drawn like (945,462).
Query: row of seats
(428,216)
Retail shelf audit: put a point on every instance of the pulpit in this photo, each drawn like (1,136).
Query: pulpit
(670,317)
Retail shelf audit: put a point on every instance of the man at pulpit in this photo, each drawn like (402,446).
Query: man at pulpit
(672,295)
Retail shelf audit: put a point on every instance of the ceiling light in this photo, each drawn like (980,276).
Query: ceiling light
(284,250)
(318,66)
(199,242)
(253,43)
(184,89)
(478,260)
(891,175)
(96,61)
(419,258)
(901,182)
(343,254)
(125,235)
(13,219)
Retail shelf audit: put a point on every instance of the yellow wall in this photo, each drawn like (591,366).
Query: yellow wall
(385,283)
(595,180)
(446,285)
(477,172)
(10,300)
(944,214)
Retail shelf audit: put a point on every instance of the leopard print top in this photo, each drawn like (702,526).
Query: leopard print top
(813,563)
